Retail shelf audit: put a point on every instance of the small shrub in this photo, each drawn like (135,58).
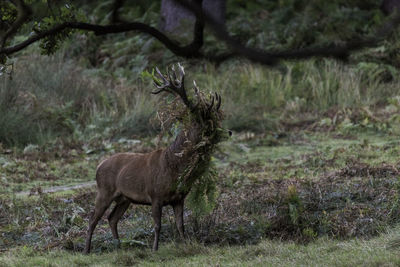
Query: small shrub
(17,129)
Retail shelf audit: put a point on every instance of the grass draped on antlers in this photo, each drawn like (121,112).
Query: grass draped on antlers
(200,176)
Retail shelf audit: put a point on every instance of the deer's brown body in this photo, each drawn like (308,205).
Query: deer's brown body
(152,178)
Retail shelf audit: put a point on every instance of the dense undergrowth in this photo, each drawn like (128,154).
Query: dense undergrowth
(60,99)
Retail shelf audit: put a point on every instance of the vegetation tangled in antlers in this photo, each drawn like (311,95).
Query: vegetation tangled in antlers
(174,116)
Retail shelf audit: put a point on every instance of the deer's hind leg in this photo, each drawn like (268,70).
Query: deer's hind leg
(119,210)
(103,201)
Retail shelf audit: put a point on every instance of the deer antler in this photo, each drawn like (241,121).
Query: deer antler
(173,83)
(210,106)
(218,100)
(213,98)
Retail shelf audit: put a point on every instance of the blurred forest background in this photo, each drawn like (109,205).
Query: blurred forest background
(92,86)
(314,156)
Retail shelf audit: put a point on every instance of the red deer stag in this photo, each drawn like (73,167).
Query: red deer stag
(161,177)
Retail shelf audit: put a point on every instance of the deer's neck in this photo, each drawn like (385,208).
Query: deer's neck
(187,158)
(185,149)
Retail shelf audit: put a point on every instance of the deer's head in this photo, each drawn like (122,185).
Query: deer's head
(203,110)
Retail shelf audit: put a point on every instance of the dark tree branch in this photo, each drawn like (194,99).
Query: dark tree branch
(188,51)
(184,51)
(198,31)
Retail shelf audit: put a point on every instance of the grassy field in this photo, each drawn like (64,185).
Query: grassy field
(323,252)
(307,198)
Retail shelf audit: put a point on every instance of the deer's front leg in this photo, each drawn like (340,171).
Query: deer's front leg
(178,211)
(156,213)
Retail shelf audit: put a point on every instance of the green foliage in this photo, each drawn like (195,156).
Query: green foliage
(376,72)
(259,99)
(16,126)
(94,103)
(138,123)
(147,75)
(202,197)
(71,103)
(295,206)
(16,129)
(8,13)
(291,24)
(67,13)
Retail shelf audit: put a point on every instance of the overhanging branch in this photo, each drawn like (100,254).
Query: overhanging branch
(192,50)
(184,51)
(189,51)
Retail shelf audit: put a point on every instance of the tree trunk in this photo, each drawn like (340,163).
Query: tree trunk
(175,18)
(389,6)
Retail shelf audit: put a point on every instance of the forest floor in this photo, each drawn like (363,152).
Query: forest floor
(308,197)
